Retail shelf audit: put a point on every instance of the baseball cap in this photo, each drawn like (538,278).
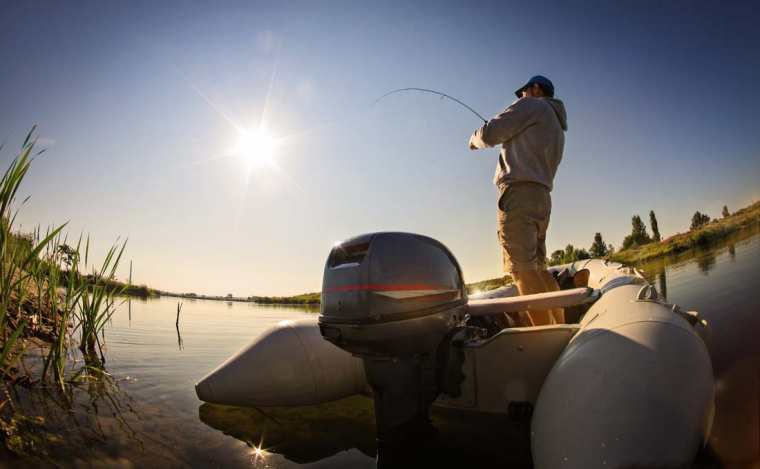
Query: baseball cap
(541,80)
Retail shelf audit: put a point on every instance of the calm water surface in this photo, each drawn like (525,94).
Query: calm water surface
(151,416)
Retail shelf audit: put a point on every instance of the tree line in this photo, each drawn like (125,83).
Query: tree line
(638,237)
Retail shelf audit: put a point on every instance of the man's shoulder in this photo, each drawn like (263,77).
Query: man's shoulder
(527,103)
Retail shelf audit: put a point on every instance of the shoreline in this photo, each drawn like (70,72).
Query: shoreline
(304,299)
(746,219)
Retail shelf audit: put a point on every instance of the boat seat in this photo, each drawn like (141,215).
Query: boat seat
(567,280)
(510,367)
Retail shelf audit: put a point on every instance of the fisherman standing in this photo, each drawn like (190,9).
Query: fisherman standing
(531,134)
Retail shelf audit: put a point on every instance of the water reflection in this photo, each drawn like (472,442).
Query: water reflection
(315,433)
(656,272)
(662,282)
(62,424)
(301,434)
(706,261)
(704,258)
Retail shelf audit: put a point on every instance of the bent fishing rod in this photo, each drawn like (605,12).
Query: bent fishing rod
(442,95)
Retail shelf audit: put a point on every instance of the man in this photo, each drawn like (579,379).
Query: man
(531,134)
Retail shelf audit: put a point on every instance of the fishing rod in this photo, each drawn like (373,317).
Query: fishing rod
(443,95)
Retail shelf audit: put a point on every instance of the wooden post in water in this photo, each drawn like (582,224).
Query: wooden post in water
(129,298)
(176,324)
(179,308)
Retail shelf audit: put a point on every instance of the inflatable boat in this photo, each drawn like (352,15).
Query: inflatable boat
(627,381)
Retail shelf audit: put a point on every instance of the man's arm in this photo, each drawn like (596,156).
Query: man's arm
(502,128)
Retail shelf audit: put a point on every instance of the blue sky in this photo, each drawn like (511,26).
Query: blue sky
(661,100)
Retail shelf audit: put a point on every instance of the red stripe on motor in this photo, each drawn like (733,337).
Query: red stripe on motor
(376,287)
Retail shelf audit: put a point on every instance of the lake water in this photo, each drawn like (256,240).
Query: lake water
(149,414)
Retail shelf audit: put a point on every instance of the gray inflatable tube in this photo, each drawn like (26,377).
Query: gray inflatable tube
(288,365)
(633,388)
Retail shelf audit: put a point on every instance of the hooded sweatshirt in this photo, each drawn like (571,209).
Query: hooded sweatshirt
(531,134)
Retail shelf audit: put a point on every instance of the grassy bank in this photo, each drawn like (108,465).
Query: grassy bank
(51,314)
(302,299)
(490,284)
(716,230)
(125,289)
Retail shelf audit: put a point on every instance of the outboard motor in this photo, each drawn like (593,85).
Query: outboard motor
(396,300)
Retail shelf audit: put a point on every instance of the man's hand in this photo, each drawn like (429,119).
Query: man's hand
(476,142)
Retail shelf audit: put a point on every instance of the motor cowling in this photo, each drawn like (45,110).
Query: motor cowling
(390,294)
(396,300)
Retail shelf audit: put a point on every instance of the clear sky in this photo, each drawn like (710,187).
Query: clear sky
(134,101)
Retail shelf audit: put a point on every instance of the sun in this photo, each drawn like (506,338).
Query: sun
(256,147)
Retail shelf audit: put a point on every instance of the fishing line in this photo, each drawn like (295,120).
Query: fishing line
(443,95)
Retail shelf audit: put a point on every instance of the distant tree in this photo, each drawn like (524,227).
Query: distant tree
(628,242)
(68,254)
(638,236)
(229,295)
(639,230)
(725,212)
(699,219)
(653,224)
(570,254)
(598,248)
(557,257)
(610,249)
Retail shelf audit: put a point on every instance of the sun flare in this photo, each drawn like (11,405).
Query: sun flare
(256,147)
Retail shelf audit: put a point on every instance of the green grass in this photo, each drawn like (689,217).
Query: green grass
(302,299)
(490,284)
(121,288)
(17,259)
(744,219)
(43,293)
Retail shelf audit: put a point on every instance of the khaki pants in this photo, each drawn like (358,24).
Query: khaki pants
(522,220)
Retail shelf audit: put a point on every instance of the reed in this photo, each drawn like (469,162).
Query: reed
(97,303)
(17,255)
(43,291)
(62,307)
